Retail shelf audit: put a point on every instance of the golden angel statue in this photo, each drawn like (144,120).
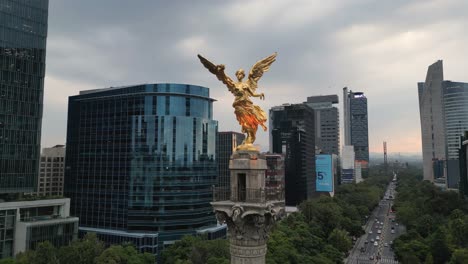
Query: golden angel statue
(248,115)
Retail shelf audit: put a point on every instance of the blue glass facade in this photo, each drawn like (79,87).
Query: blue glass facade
(142,158)
(23,32)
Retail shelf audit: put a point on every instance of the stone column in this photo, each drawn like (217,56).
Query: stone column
(248,233)
(248,214)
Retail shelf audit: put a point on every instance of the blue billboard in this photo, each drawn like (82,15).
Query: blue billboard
(324,173)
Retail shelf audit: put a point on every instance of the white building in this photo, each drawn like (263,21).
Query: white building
(347,164)
(24,224)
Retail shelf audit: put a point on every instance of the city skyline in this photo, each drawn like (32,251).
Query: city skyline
(383,52)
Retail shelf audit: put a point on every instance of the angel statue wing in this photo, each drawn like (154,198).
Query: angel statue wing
(259,68)
(217,70)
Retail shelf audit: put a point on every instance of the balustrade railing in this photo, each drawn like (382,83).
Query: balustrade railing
(248,195)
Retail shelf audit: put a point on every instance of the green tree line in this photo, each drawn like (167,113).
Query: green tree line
(321,232)
(89,250)
(436,222)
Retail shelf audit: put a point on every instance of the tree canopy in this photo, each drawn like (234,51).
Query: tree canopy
(89,250)
(436,222)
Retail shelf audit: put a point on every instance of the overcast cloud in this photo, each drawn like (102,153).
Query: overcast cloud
(381,48)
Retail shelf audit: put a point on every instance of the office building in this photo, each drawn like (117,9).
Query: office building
(51,171)
(432,122)
(24,224)
(141,160)
(348,163)
(462,155)
(357,172)
(456,123)
(227,143)
(327,123)
(443,109)
(275,171)
(356,128)
(293,135)
(23,32)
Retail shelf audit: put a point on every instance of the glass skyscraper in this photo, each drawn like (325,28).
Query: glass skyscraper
(142,159)
(293,135)
(356,127)
(23,32)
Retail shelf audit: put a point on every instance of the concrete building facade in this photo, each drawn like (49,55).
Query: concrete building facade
(443,107)
(432,121)
(347,164)
(51,171)
(327,123)
(356,127)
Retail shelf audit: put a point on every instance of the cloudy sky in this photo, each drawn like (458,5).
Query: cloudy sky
(381,48)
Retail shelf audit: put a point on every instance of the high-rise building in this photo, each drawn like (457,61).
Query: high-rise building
(463,184)
(356,127)
(51,171)
(432,122)
(348,163)
(327,123)
(141,162)
(227,143)
(23,32)
(23,224)
(275,171)
(456,123)
(293,135)
(444,118)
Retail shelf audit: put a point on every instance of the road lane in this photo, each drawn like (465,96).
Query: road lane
(380,219)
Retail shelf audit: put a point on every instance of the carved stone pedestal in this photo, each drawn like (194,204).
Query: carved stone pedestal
(248,208)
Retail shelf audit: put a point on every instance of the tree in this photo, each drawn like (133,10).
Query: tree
(126,254)
(7,261)
(195,250)
(439,247)
(340,240)
(82,251)
(45,254)
(459,256)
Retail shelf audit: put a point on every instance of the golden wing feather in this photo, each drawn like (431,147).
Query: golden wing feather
(259,68)
(217,70)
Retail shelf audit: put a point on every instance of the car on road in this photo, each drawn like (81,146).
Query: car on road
(366,242)
(376,243)
(371,257)
(391,242)
(396,224)
(385,245)
(377,238)
(370,231)
(379,231)
(372,240)
(393,231)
